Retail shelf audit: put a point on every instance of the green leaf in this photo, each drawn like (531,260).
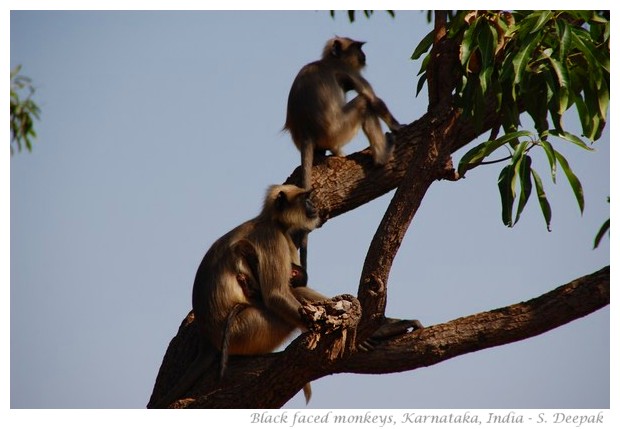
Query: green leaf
(574,182)
(584,116)
(509,137)
(580,15)
(485,79)
(519,151)
(550,156)
(424,45)
(487,43)
(553,94)
(506,184)
(564,31)
(561,72)
(457,23)
(601,233)
(525,179)
(545,15)
(542,199)
(468,43)
(421,82)
(589,52)
(424,65)
(592,105)
(565,135)
(603,99)
(472,158)
(535,107)
(481,151)
(524,55)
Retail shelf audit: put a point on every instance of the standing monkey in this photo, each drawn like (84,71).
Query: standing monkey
(319,118)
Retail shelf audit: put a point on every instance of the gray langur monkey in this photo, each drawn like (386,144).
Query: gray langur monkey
(242,298)
(319,117)
(249,288)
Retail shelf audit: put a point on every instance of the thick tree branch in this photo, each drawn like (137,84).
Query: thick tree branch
(516,322)
(428,164)
(442,68)
(270,380)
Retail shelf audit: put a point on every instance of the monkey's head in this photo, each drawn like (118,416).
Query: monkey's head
(291,207)
(345,50)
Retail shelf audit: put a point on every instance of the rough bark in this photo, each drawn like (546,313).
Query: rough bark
(269,381)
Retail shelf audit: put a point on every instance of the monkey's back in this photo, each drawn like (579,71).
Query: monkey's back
(315,98)
(217,291)
(215,284)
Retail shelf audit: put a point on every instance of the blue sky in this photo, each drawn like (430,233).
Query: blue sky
(160,131)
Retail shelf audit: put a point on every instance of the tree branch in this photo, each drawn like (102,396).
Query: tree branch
(427,165)
(261,381)
(510,324)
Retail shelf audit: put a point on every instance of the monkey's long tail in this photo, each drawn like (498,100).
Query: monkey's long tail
(238,308)
(307,392)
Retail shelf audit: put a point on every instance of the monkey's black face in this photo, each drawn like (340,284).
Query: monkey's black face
(361,57)
(311,211)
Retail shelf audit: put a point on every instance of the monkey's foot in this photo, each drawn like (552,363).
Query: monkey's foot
(391,328)
(390,145)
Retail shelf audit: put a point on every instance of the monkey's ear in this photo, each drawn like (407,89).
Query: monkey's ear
(281,201)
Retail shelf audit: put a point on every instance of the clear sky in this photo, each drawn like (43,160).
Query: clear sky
(160,131)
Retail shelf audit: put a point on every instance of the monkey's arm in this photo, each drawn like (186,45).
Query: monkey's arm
(305,293)
(363,88)
(274,278)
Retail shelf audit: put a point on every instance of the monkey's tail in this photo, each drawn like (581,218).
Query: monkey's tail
(238,308)
(307,392)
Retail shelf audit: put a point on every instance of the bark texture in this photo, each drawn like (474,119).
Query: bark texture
(269,381)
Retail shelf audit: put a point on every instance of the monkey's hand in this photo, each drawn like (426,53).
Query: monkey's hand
(390,328)
(396,126)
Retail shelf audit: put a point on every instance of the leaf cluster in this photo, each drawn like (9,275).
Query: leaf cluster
(23,111)
(539,62)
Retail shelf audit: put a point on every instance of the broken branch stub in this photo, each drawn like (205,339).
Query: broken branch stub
(334,320)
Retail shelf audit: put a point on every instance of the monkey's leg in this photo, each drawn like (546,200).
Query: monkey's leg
(307,159)
(358,112)
(303,251)
(306,294)
(380,110)
(381,151)
(256,330)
